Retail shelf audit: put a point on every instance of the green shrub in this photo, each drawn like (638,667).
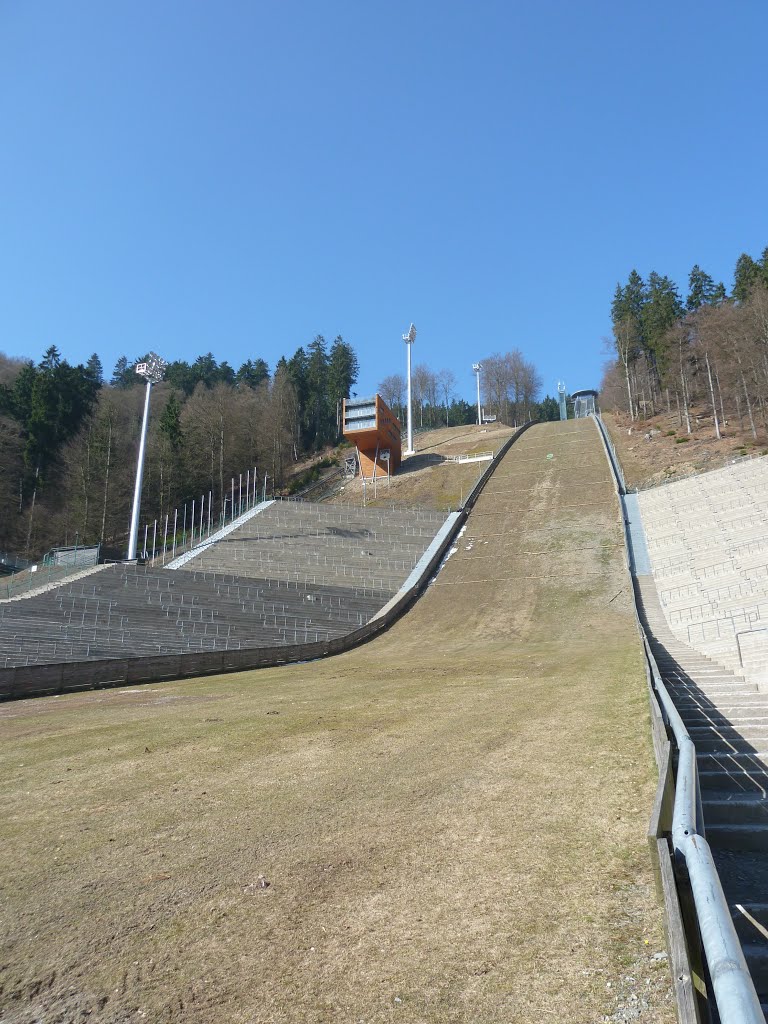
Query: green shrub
(682,440)
(670,433)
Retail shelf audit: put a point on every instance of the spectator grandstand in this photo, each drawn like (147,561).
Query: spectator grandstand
(707,539)
(294,573)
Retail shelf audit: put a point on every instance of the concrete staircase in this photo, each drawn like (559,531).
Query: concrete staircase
(707,539)
(727,718)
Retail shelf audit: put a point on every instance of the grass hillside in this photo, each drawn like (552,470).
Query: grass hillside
(426,478)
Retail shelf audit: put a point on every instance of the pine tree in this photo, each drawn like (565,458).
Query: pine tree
(343,369)
(662,308)
(298,369)
(95,370)
(745,275)
(252,373)
(317,417)
(170,423)
(205,369)
(701,289)
(628,330)
(179,374)
(764,267)
(549,409)
(122,375)
(628,304)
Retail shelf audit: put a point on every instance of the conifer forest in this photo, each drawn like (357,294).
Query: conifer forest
(706,350)
(69,438)
(69,434)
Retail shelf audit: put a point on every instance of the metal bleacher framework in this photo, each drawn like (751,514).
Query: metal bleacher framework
(201,654)
(296,573)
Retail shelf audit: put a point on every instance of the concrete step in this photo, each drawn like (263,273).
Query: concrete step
(694,720)
(724,742)
(712,694)
(726,737)
(688,666)
(736,780)
(725,684)
(741,709)
(681,661)
(702,713)
(724,808)
(750,920)
(701,682)
(730,760)
(756,955)
(741,838)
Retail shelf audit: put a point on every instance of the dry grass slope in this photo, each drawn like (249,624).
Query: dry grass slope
(425,479)
(450,820)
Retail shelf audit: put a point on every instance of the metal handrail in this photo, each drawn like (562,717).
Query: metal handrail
(732,984)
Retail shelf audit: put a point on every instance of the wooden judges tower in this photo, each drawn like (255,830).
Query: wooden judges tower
(374,430)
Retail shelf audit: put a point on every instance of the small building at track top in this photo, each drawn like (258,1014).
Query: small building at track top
(584,403)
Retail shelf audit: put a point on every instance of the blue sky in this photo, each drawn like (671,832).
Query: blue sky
(240,176)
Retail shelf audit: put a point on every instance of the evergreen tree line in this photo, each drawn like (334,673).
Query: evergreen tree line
(509,388)
(709,349)
(68,439)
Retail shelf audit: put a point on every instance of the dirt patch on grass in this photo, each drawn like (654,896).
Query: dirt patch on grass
(445,825)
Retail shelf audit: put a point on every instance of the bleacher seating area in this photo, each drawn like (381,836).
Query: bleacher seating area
(294,573)
(707,538)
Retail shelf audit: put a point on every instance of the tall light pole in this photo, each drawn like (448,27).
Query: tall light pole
(153,372)
(409,339)
(561,400)
(477,367)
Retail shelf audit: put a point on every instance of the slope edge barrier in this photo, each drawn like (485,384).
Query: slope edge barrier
(706,959)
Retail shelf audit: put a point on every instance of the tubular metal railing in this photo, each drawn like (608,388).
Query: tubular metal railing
(732,985)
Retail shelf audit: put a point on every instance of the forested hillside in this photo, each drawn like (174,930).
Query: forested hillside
(68,438)
(707,350)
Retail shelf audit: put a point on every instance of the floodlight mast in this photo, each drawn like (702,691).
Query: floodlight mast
(409,339)
(477,367)
(562,400)
(153,371)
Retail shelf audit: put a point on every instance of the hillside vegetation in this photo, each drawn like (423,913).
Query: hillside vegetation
(704,356)
(428,479)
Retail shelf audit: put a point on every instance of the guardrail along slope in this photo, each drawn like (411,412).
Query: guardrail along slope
(710,811)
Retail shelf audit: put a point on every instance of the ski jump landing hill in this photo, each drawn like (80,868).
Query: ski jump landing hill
(538,542)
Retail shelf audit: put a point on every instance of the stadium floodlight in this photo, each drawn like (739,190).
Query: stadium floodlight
(409,339)
(477,367)
(562,400)
(153,371)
